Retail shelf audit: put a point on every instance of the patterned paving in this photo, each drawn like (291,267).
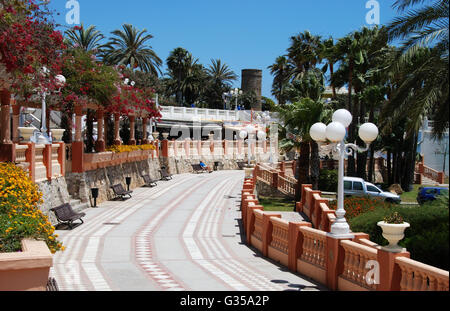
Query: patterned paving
(182,235)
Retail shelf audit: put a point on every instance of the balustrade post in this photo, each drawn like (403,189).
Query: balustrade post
(390,272)
(335,255)
(283,169)
(7,148)
(295,243)
(275,180)
(267,232)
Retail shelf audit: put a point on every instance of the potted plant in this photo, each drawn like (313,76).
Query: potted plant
(393,228)
(26,133)
(57,134)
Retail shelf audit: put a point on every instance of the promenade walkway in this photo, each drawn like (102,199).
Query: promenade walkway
(182,235)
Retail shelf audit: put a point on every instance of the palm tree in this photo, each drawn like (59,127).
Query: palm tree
(282,71)
(177,63)
(304,52)
(129,47)
(329,53)
(425,27)
(87,39)
(220,73)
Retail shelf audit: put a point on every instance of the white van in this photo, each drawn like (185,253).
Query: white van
(354,186)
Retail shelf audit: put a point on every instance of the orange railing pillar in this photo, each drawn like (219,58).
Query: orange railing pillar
(30,157)
(48,160)
(390,273)
(295,243)
(251,222)
(334,261)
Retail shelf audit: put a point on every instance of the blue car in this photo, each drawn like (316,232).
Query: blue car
(430,193)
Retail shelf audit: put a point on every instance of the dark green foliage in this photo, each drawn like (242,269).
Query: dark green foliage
(328,180)
(428,237)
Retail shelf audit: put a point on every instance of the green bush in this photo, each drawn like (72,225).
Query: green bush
(328,180)
(428,237)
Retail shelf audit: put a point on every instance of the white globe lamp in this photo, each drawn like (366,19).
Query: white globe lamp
(368,132)
(343,116)
(318,132)
(243,134)
(335,132)
(262,135)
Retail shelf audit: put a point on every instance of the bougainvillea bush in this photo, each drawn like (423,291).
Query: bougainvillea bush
(28,43)
(20,216)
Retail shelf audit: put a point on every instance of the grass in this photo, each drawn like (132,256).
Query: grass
(411,197)
(277,204)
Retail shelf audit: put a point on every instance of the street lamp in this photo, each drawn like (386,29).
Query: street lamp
(249,132)
(236,92)
(41,137)
(335,132)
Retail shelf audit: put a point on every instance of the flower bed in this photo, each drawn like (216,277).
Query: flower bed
(20,216)
(355,206)
(129,148)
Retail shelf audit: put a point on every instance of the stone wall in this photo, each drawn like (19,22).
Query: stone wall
(54,193)
(266,190)
(80,184)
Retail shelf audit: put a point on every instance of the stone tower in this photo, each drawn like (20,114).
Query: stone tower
(252,81)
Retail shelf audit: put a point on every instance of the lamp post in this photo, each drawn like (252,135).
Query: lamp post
(41,137)
(236,92)
(335,132)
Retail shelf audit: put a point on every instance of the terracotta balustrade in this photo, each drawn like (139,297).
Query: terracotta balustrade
(416,276)
(278,248)
(339,264)
(55,161)
(356,257)
(21,159)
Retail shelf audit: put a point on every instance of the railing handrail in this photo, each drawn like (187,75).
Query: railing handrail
(416,265)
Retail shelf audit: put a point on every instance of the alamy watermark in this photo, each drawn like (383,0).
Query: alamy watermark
(373,15)
(73,13)
(373,276)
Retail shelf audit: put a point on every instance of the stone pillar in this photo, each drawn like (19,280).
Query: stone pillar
(106,127)
(117,140)
(144,131)
(132,130)
(100,143)
(15,123)
(165,148)
(78,144)
(47,120)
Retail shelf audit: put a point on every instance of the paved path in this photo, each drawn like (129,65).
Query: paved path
(181,235)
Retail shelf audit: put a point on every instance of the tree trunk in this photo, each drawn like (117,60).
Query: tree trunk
(333,88)
(315,165)
(303,169)
(90,131)
(389,168)
(409,164)
(362,157)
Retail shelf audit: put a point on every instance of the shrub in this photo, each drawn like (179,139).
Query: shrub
(428,237)
(355,206)
(20,216)
(328,180)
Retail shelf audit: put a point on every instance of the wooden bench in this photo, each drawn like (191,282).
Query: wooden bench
(198,168)
(149,182)
(164,174)
(119,191)
(66,215)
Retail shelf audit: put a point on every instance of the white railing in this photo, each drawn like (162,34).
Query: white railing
(199,114)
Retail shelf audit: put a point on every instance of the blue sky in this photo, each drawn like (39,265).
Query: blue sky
(245,34)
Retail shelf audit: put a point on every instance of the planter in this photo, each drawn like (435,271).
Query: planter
(155,135)
(27,270)
(165,135)
(26,133)
(393,233)
(57,134)
(248,172)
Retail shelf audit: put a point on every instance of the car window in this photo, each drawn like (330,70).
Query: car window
(357,186)
(347,185)
(372,189)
